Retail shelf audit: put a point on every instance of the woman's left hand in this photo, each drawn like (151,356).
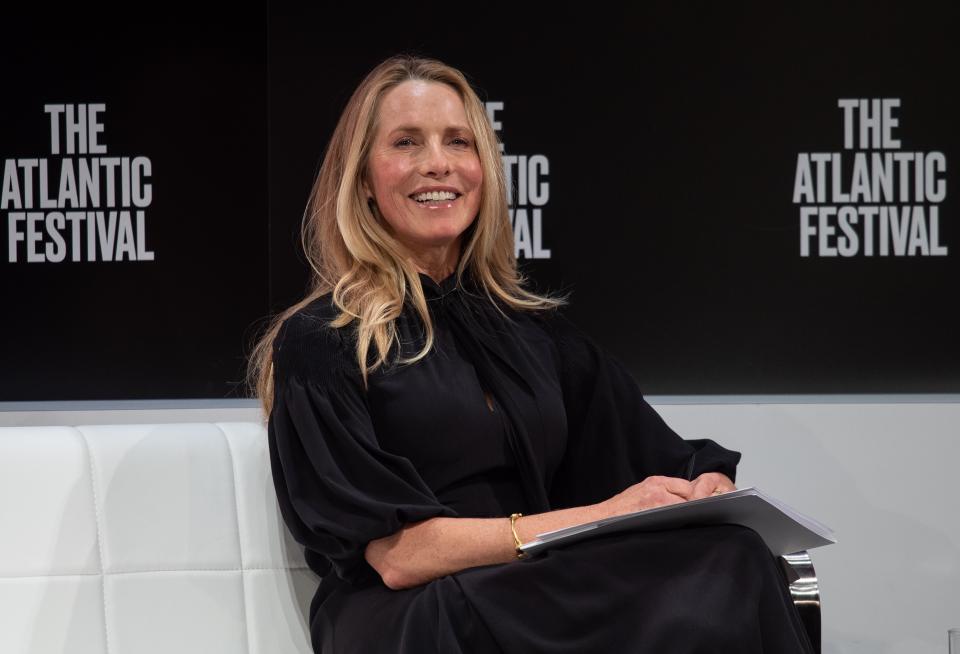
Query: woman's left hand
(711,483)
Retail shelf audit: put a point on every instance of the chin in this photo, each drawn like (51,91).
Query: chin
(432,240)
(440,240)
(441,235)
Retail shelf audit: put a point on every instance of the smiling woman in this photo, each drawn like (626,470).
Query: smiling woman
(424,173)
(428,415)
(364,241)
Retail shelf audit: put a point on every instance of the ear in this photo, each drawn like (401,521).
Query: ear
(366,189)
(368,194)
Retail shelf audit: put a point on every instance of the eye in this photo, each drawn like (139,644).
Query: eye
(403,141)
(461,141)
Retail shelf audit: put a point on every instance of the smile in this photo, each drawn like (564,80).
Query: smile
(434,196)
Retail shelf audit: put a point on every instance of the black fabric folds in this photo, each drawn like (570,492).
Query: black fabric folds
(333,454)
(614,430)
(510,412)
(476,331)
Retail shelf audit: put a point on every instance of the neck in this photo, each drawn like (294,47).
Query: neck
(437,263)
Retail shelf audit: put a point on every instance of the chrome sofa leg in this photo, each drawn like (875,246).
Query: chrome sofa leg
(805,591)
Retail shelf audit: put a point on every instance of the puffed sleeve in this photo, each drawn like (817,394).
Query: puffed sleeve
(615,438)
(337,489)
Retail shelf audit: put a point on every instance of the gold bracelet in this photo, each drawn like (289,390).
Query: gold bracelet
(517,543)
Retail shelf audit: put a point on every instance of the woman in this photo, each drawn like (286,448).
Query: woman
(428,414)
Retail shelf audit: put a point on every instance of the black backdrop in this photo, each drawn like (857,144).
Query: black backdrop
(672,136)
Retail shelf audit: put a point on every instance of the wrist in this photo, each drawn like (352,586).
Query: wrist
(515,535)
(601,510)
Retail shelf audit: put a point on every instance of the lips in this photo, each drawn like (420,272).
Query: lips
(434,194)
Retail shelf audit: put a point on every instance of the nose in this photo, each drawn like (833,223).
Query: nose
(435,162)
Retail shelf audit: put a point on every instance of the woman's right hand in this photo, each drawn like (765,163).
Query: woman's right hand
(649,493)
(422,551)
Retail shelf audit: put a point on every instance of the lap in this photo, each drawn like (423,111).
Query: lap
(699,589)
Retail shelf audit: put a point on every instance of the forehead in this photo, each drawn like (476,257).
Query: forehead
(423,104)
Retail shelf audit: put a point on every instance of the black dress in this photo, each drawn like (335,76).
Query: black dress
(506,414)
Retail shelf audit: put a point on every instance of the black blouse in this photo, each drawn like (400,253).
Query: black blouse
(509,412)
(568,425)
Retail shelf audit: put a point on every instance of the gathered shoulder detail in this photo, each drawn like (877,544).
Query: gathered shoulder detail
(309,349)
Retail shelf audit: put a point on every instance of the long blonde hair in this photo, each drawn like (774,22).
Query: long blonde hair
(354,257)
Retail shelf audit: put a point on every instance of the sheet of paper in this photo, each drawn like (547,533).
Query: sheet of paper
(781,527)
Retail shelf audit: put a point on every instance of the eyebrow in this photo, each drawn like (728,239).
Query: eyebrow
(413,129)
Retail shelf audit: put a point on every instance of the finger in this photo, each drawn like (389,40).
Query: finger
(714,482)
(678,486)
(709,487)
(663,498)
(724,485)
(702,488)
(725,482)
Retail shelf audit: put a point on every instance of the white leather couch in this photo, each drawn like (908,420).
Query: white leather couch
(164,539)
(146,539)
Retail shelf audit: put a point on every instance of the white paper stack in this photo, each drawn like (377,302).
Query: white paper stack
(783,529)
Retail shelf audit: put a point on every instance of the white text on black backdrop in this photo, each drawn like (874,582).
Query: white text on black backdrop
(94,206)
(872,199)
(527,193)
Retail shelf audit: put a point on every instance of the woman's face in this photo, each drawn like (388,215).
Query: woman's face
(424,171)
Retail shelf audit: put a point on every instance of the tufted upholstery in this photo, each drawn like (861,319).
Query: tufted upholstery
(143,539)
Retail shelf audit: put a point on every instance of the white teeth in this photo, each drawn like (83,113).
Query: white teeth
(435,195)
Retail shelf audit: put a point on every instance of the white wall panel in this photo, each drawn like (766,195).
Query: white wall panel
(884,476)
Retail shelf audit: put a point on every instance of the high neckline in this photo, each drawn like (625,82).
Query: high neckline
(432,288)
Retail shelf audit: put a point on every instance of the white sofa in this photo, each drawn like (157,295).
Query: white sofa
(163,539)
(146,539)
